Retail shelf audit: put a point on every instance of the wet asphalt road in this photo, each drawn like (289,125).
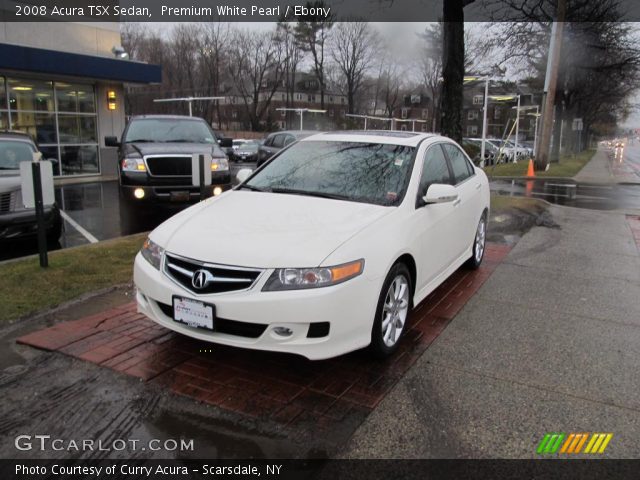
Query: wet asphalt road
(98,214)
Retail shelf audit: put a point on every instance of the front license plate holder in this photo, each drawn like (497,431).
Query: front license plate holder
(179,196)
(194,313)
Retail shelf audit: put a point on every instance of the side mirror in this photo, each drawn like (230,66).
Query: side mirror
(243,174)
(440,193)
(225,142)
(111,142)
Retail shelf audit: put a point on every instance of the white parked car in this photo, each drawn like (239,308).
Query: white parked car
(323,250)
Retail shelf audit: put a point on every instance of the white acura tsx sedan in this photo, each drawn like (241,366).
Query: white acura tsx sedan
(323,250)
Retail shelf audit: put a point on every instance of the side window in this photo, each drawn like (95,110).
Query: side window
(278,141)
(459,163)
(268,141)
(289,139)
(434,169)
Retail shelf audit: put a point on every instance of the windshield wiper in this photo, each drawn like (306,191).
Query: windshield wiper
(250,187)
(307,193)
(140,140)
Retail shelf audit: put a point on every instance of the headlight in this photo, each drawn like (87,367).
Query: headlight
(301,278)
(133,165)
(152,252)
(219,164)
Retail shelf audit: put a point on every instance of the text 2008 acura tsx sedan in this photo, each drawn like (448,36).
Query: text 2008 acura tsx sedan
(323,250)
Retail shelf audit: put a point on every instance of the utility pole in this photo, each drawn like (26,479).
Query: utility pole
(550,85)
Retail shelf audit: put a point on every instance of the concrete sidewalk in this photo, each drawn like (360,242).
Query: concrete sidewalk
(597,170)
(602,170)
(551,343)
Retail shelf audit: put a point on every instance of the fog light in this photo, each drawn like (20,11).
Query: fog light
(138,193)
(217,191)
(283,331)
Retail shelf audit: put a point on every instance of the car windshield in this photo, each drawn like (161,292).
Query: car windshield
(13,152)
(168,130)
(360,172)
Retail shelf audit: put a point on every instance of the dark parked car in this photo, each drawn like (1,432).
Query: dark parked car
(154,158)
(247,152)
(15,220)
(277,141)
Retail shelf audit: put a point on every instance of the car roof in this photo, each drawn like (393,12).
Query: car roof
(394,137)
(14,135)
(295,133)
(167,117)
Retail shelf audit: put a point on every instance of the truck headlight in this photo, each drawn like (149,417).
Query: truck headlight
(152,252)
(302,278)
(219,164)
(133,165)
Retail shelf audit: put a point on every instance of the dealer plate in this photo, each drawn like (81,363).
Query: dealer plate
(194,313)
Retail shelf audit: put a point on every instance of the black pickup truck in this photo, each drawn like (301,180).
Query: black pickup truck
(154,158)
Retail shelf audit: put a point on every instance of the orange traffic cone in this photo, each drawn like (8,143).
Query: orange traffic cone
(530,172)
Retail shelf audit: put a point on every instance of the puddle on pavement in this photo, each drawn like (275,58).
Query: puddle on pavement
(571,194)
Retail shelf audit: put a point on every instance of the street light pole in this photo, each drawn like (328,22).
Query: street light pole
(515,153)
(535,132)
(484,120)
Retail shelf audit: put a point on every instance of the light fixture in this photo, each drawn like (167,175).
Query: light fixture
(22,89)
(111,100)
(119,52)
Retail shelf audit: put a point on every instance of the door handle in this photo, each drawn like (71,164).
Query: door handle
(478,186)
(457,202)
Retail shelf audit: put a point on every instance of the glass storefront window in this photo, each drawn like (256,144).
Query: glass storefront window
(75,98)
(51,153)
(79,159)
(3,95)
(41,126)
(60,116)
(31,95)
(77,129)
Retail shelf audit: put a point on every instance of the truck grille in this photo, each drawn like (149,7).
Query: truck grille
(5,202)
(217,278)
(169,166)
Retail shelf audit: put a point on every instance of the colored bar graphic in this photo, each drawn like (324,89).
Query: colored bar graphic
(551,443)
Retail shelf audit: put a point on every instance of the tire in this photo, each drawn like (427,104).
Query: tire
(385,338)
(479,244)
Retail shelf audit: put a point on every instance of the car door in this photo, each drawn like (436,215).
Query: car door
(469,202)
(435,223)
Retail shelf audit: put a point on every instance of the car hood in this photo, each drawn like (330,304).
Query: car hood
(160,148)
(265,230)
(9,180)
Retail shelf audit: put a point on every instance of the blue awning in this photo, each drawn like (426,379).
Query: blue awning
(53,62)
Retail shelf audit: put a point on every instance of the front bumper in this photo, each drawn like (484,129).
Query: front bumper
(169,189)
(23,223)
(349,308)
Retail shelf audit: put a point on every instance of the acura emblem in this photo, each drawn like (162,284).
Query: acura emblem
(200,279)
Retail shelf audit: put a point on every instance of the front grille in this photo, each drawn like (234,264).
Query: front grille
(222,325)
(5,202)
(217,278)
(169,166)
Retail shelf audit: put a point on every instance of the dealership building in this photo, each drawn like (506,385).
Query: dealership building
(63,82)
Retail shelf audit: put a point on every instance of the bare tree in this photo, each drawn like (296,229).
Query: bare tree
(215,43)
(312,33)
(257,71)
(293,55)
(453,67)
(353,45)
